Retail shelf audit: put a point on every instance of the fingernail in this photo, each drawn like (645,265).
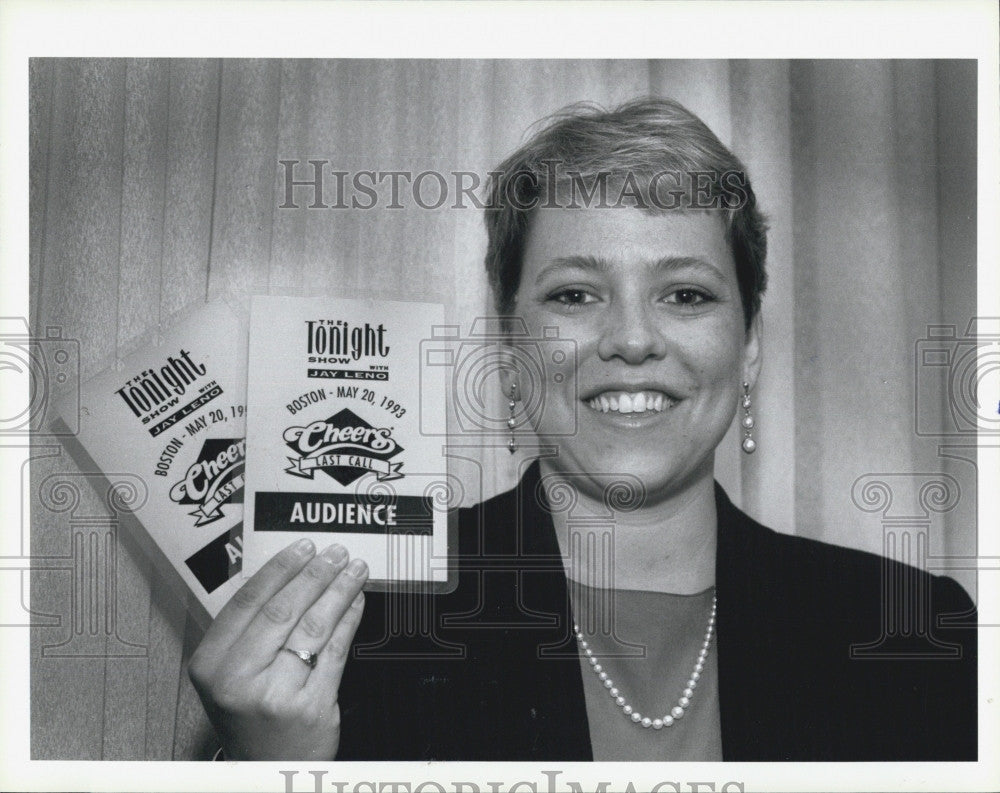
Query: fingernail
(357,567)
(335,553)
(304,545)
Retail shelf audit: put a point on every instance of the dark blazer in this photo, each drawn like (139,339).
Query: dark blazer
(812,665)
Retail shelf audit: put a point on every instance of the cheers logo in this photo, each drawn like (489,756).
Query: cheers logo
(344,447)
(213,480)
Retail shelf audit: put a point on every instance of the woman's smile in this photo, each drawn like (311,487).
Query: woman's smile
(637,402)
(620,411)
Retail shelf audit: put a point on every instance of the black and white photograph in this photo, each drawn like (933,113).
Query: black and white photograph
(547,421)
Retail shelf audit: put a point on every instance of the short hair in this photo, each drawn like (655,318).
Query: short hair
(635,141)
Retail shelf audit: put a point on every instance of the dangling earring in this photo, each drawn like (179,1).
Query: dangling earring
(749,444)
(511,422)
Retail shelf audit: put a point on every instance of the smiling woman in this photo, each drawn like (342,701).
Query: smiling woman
(615,604)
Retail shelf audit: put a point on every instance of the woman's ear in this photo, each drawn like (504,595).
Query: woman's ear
(752,351)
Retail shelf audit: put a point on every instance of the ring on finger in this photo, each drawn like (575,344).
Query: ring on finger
(307,657)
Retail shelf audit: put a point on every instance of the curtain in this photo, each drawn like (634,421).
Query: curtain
(156,184)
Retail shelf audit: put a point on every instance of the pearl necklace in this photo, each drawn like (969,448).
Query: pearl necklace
(677,712)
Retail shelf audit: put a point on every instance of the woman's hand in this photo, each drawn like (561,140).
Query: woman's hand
(266,703)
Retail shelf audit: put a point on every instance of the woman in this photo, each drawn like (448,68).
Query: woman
(614,605)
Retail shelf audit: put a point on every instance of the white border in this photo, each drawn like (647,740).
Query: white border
(450,29)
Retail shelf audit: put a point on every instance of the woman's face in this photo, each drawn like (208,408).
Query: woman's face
(653,306)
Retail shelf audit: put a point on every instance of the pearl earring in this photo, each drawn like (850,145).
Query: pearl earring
(511,422)
(749,444)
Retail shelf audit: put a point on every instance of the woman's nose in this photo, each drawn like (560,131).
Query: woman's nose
(632,334)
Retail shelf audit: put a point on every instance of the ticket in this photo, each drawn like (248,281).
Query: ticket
(173,415)
(344,435)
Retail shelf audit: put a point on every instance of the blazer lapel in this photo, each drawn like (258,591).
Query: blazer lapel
(744,639)
(557,726)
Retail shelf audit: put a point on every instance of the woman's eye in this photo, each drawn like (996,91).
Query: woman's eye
(572,297)
(689,297)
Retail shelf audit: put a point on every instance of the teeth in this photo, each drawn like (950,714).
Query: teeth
(638,402)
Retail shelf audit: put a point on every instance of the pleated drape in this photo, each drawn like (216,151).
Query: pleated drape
(156,184)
